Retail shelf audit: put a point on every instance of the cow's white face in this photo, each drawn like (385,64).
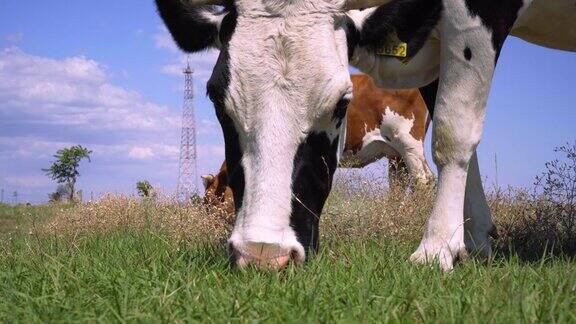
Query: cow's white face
(280,87)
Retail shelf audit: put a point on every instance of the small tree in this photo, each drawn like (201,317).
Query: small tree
(145,189)
(65,169)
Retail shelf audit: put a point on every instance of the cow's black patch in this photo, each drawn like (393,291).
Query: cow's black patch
(217,87)
(220,79)
(314,166)
(467,53)
(498,15)
(189,28)
(233,157)
(413,20)
(340,112)
(429,95)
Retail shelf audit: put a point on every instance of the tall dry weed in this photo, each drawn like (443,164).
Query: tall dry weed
(191,221)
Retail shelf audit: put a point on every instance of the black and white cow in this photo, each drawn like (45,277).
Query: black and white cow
(281,88)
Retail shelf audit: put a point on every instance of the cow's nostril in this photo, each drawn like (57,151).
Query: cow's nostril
(263,255)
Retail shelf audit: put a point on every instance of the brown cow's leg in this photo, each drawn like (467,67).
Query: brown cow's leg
(430,177)
(413,159)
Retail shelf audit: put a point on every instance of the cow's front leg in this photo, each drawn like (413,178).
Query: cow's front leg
(467,66)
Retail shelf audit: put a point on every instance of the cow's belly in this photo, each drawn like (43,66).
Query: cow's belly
(374,147)
(550,23)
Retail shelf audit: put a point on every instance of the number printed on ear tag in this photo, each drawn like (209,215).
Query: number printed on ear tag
(393,47)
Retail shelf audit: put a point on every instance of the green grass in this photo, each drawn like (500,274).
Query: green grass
(15,219)
(145,276)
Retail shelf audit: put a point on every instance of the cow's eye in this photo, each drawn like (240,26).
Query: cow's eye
(342,107)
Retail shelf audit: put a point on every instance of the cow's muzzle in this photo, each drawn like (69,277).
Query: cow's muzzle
(266,256)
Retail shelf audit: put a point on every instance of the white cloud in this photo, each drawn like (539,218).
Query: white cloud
(74,92)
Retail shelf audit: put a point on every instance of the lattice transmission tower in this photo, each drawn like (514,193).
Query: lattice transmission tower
(187,177)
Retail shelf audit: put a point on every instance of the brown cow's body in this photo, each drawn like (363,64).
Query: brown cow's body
(380,123)
(387,123)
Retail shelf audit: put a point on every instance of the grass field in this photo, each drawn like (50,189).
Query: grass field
(129,276)
(122,259)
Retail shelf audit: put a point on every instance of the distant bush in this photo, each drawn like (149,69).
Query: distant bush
(543,220)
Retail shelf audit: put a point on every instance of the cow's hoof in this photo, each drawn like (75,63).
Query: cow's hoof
(439,253)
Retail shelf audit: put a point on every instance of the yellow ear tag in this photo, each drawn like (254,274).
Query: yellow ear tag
(393,47)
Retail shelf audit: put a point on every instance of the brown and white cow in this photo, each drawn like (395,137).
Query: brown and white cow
(380,123)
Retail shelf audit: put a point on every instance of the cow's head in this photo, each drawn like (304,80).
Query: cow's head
(217,192)
(280,87)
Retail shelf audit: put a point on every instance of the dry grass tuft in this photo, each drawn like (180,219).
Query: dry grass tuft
(542,220)
(531,225)
(192,221)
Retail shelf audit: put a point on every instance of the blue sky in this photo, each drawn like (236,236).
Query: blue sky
(105,74)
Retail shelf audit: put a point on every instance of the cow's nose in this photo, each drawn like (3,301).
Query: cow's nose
(266,256)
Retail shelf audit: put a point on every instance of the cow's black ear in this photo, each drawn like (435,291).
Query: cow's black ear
(194,28)
(352,36)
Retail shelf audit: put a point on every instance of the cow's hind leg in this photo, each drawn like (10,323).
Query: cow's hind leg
(467,67)
(478,225)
